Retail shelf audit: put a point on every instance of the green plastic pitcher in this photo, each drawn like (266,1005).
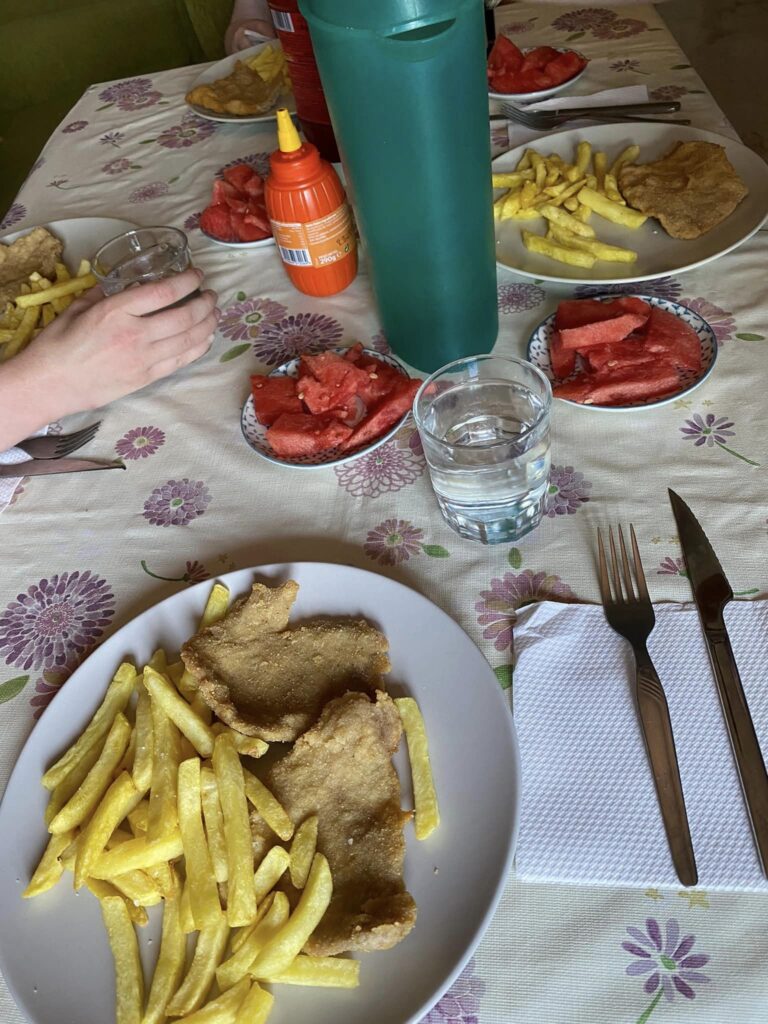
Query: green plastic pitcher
(405,82)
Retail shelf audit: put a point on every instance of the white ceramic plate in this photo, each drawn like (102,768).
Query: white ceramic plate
(255,433)
(658,254)
(540,94)
(53,949)
(82,236)
(538,354)
(225,67)
(262,243)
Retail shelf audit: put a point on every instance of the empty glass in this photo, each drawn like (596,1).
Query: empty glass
(484,424)
(139,256)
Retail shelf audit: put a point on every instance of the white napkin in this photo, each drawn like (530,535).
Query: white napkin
(589,808)
(9,458)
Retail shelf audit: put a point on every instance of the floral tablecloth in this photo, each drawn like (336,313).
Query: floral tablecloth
(83,555)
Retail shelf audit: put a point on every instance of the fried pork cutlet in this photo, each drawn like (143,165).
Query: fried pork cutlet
(342,771)
(690,190)
(38,250)
(267,680)
(242,92)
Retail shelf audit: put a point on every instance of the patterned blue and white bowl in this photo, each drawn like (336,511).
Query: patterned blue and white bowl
(538,354)
(255,433)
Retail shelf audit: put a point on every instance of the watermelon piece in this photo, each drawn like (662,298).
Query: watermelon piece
(254,187)
(294,435)
(630,352)
(564,66)
(389,410)
(354,353)
(216,221)
(380,379)
(667,335)
(602,332)
(539,57)
(273,396)
(238,175)
(563,360)
(256,216)
(578,312)
(504,56)
(631,304)
(321,398)
(623,386)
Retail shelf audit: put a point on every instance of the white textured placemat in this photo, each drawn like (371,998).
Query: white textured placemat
(589,809)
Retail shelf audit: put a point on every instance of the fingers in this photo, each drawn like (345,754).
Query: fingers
(172,353)
(170,322)
(149,298)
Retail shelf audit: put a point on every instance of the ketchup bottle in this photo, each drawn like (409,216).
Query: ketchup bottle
(311,220)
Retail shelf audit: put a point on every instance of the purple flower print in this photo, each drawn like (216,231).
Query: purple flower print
(385,470)
(191,130)
(665,961)
(626,65)
(393,541)
(409,438)
(246,319)
(47,687)
(74,126)
(132,94)
(194,572)
(566,491)
(151,191)
(499,137)
(177,502)
(140,443)
(192,223)
(112,139)
(119,165)
(13,215)
(585,19)
(668,92)
(60,181)
(662,288)
(721,321)
(519,26)
(671,566)
(498,605)
(293,336)
(379,344)
(516,298)
(258,161)
(620,29)
(461,1003)
(55,622)
(710,430)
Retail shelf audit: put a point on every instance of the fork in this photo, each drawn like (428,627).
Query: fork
(544,120)
(631,615)
(57,446)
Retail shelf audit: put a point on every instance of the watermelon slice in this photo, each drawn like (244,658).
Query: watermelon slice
(354,354)
(391,408)
(601,333)
(539,57)
(667,335)
(294,435)
(216,221)
(563,360)
(273,396)
(321,398)
(622,386)
(238,175)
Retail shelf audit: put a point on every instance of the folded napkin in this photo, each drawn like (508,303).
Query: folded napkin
(11,457)
(589,809)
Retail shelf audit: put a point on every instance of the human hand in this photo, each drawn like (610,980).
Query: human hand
(103,348)
(237,39)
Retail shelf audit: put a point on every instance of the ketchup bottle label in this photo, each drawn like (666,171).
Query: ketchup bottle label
(316,243)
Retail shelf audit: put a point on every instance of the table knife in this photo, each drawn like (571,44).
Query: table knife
(712,592)
(45,467)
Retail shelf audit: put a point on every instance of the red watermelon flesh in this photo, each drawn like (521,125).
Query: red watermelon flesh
(320,398)
(630,352)
(578,312)
(604,332)
(622,386)
(273,396)
(216,221)
(563,360)
(666,334)
(504,56)
(354,353)
(238,175)
(297,434)
(391,408)
(565,66)
(538,57)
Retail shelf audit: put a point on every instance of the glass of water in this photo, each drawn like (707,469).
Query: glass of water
(484,424)
(139,256)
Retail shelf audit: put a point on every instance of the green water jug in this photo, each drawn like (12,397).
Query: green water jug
(406,88)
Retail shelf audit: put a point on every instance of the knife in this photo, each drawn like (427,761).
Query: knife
(44,467)
(712,592)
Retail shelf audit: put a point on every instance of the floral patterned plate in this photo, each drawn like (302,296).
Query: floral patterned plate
(255,432)
(262,243)
(225,67)
(538,354)
(541,94)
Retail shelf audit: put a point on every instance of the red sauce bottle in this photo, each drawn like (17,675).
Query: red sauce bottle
(309,214)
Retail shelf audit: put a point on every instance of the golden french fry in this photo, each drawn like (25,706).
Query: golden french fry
(280,952)
(424,796)
(106,890)
(138,854)
(163,816)
(138,887)
(270,925)
(241,894)
(163,691)
(270,871)
(48,315)
(583,213)
(56,291)
(571,204)
(611,190)
(600,162)
(250,746)
(302,851)
(532,213)
(115,700)
(566,220)
(159,661)
(72,781)
(511,180)
(583,157)
(61,304)
(164,877)
(223,1009)
(50,869)
(174,671)
(268,806)
(203,891)
(601,250)
(83,268)
(214,824)
(142,759)
(129,978)
(524,163)
(62,274)
(627,156)
(256,1007)
(185,910)
(571,190)
(321,971)
(209,950)
(555,190)
(95,784)
(528,194)
(126,764)
(215,608)
(613,212)
(553,173)
(546,247)
(169,968)
(22,335)
(540,175)
(118,801)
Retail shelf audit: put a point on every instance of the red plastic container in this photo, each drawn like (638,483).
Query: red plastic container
(311,108)
(309,214)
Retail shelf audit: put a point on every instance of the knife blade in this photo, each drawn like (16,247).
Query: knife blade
(46,467)
(712,592)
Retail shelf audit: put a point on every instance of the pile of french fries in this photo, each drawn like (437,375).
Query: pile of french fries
(151,805)
(38,303)
(566,195)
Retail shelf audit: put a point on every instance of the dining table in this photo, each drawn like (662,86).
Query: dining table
(84,554)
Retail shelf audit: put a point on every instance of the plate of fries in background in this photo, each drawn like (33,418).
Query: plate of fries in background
(255,80)
(94,750)
(43,270)
(560,216)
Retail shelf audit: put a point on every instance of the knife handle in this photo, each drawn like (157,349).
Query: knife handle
(660,744)
(741,730)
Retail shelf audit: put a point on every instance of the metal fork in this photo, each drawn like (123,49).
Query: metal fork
(631,615)
(56,446)
(544,120)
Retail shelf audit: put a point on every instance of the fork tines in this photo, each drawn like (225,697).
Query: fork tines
(71,442)
(627,593)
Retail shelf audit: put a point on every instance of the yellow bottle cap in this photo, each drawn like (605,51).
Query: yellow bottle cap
(288,140)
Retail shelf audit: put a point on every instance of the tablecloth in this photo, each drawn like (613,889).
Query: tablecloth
(82,556)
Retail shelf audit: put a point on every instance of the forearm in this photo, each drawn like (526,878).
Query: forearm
(245,10)
(28,401)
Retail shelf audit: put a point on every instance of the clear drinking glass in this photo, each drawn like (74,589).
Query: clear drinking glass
(484,424)
(139,256)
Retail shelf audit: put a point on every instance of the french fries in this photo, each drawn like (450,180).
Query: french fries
(424,796)
(565,220)
(302,851)
(129,977)
(214,824)
(270,871)
(211,943)
(223,1009)
(612,211)
(241,894)
(204,893)
(561,253)
(267,806)
(163,817)
(320,971)
(169,968)
(270,925)
(50,869)
(162,690)
(600,250)
(256,1006)
(119,800)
